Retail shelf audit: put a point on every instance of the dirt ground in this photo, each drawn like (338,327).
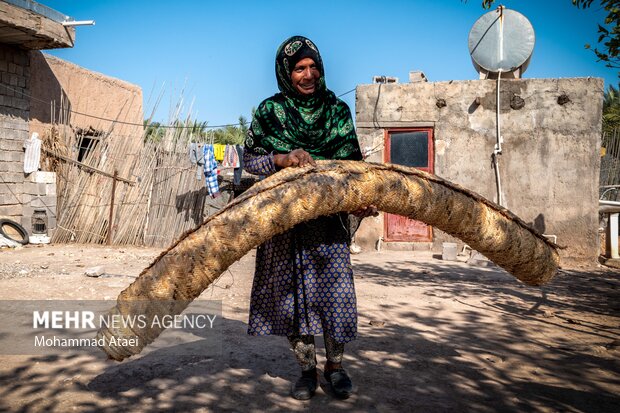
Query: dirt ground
(434,336)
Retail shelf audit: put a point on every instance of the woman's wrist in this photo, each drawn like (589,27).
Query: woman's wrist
(278,160)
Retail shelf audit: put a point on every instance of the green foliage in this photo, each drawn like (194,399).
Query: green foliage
(609,34)
(153,131)
(609,31)
(232,135)
(611,109)
(196,131)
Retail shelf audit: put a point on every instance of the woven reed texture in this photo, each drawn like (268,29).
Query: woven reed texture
(295,195)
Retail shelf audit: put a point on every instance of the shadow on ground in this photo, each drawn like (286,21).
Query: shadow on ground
(458,342)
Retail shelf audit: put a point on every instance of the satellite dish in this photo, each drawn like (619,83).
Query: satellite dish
(501,41)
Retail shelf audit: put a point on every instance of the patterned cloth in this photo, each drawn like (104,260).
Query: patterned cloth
(210,171)
(305,350)
(231,157)
(303,282)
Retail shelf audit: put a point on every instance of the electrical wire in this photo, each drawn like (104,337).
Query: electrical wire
(133,123)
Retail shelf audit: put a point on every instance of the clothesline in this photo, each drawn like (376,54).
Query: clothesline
(157,124)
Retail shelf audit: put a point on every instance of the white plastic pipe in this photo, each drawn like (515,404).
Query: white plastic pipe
(79,23)
(498,145)
(612,236)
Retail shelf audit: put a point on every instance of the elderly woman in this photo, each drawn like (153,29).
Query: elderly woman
(303,283)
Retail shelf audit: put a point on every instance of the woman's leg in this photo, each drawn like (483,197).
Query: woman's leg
(334,352)
(334,373)
(305,351)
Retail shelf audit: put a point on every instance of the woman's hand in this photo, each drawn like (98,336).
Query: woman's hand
(297,157)
(368,211)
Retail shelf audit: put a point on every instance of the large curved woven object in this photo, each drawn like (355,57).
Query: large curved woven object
(294,195)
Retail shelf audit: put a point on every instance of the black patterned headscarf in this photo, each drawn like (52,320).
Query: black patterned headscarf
(320,123)
(289,54)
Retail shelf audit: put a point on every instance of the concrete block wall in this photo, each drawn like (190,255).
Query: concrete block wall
(15,79)
(39,195)
(14,129)
(550,162)
(20,194)
(29,81)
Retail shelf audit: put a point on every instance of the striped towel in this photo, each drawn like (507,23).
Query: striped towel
(210,170)
(231,157)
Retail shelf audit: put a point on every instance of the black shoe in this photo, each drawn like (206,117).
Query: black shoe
(305,387)
(341,383)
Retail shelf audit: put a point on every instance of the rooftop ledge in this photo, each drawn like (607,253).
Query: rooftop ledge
(33,26)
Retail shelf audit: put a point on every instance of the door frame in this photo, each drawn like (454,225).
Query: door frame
(430,169)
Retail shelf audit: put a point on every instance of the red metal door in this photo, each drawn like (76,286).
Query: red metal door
(409,147)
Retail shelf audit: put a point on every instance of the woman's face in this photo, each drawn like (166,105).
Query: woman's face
(305,76)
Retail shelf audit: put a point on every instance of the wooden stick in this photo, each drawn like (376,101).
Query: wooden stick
(99,171)
(110,221)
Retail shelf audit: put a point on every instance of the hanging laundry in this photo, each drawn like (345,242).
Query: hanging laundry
(218,151)
(210,171)
(196,158)
(193,153)
(225,161)
(231,157)
(32,156)
(238,170)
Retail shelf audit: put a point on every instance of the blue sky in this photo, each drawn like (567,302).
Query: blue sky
(220,54)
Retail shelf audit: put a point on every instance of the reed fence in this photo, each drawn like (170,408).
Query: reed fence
(157,196)
(610,165)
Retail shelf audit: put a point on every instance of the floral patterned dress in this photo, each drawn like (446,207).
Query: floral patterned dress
(303,282)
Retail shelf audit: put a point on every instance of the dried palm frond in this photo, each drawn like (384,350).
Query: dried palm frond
(295,195)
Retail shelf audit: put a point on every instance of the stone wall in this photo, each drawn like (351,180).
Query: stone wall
(549,167)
